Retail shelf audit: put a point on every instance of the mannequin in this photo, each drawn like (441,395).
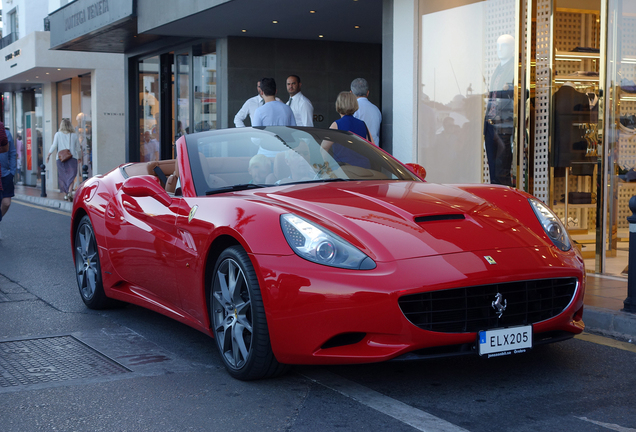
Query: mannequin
(498,123)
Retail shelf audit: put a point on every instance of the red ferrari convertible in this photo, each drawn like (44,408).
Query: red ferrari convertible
(294,245)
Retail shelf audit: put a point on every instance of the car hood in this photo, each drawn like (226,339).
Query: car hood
(398,220)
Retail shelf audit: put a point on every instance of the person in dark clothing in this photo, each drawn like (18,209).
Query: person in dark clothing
(346,105)
(4,148)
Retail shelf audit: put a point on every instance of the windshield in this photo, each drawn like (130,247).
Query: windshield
(238,159)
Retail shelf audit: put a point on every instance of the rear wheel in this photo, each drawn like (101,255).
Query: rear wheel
(238,318)
(87,267)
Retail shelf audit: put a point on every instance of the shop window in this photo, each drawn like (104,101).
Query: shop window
(149,109)
(74,103)
(467,78)
(204,79)
(182,93)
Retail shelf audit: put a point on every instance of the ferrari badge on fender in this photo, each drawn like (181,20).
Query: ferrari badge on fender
(193,210)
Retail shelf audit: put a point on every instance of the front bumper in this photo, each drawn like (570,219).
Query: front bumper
(323,315)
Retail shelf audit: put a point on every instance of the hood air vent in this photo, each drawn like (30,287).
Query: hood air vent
(441,217)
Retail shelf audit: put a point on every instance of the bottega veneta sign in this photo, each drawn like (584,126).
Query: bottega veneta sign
(87,17)
(90,12)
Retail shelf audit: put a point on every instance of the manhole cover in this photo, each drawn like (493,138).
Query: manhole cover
(45,360)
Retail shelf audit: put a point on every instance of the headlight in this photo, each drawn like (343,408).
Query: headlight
(552,225)
(318,245)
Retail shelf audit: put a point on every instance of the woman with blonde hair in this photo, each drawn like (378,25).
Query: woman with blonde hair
(346,105)
(65,139)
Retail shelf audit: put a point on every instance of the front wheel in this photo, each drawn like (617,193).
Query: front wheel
(87,267)
(238,318)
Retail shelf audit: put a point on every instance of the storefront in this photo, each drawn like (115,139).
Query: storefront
(40,87)
(539,96)
(176,95)
(192,71)
(23,115)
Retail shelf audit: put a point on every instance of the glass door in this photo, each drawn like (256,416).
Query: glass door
(149,109)
(181,103)
(620,132)
(576,150)
(204,80)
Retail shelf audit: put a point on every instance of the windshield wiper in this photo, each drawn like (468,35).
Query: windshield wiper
(235,188)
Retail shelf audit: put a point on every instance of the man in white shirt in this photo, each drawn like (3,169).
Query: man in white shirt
(367,112)
(273,112)
(301,106)
(249,107)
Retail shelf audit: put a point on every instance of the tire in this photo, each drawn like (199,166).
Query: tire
(238,318)
(87,267)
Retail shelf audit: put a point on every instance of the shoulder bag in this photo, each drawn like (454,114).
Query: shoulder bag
(64,155)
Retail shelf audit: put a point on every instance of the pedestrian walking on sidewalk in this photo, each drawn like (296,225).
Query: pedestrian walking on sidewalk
(66,139)
(8,162)
(4,148)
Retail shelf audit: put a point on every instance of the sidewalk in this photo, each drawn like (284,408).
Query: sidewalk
(604,295)
(53,198)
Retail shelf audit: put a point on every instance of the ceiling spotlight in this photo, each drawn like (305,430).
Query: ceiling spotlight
(320,36)
(312,11)
(274,22)
(244,31)
(356,26)
(59,69)
(47,73)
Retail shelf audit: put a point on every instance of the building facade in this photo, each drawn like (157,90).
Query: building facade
(533,94)
(41,86)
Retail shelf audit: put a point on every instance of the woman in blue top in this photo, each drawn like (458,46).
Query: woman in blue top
(346,105)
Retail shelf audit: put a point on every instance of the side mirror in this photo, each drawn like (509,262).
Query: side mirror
(417,169)
(146,186)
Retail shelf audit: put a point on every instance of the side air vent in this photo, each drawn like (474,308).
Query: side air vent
(442,217)
(343,339)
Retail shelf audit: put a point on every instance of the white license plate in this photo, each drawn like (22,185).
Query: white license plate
(501,342)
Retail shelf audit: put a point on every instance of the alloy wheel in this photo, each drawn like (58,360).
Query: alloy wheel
(232,313)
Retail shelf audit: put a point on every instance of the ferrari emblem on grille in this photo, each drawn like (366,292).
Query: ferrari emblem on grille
(490,259)
(193,210)
(499,304)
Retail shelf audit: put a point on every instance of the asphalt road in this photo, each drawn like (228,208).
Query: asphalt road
(129,369)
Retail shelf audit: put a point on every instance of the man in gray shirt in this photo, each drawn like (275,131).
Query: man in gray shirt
(273,112)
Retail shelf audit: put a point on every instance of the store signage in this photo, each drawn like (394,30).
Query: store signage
(81,17)
(9,56)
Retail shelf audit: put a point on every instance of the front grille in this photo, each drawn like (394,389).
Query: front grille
(470,309)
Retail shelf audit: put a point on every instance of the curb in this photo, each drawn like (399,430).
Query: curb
(46,202)
(607,322)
